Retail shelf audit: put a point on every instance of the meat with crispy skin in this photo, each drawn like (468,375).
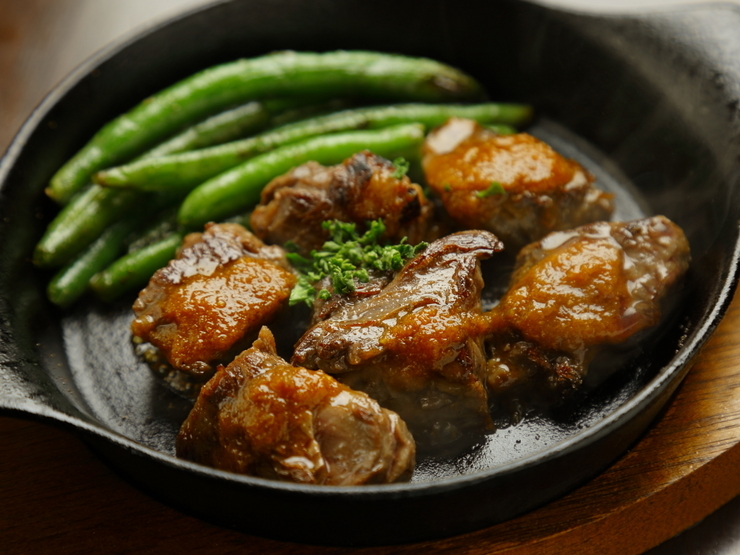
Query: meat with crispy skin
(575,292)
(361,189)
(513,185)
(263,417)
(224,284)
(417,345)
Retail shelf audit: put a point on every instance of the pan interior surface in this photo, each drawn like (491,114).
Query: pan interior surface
(123,393)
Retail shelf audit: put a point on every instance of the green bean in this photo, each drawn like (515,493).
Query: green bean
(341,73)
(239,188)
(239,122)
(501,129)
(71,282)
(134,269)
(150,250)
(221,128)
(164,225)
(184,171)
(309,111)
(91,210)
(80,222)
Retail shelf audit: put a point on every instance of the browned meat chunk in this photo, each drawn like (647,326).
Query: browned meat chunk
(324,308)
(361,189)
(264,417)
(576,291)
(514,185)
(224,284)
(417,345)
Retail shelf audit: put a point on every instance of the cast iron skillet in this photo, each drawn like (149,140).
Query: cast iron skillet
(649,101)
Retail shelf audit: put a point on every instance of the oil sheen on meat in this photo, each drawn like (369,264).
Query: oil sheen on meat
(224,285)
(515,186)
(361,189)
(264,417)
(573,293)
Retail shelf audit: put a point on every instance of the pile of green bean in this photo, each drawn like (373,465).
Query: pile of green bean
(203,149)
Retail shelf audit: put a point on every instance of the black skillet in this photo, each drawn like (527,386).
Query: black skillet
(649,102)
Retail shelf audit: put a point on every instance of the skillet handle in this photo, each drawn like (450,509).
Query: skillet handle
(26,391)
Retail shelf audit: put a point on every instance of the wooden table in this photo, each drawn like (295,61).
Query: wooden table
(55,496)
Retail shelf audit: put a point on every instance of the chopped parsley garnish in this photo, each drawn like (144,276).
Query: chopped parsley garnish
(402,167)
(495,188)
(347,258)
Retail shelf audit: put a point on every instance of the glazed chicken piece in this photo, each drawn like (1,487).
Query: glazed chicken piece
(416,346)
(361,189)
(263,417)
(513,185)
(224,284)
(575,292)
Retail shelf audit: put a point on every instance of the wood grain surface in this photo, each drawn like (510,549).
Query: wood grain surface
(57,497)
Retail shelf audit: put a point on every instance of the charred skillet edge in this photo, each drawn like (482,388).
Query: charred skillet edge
(19,397)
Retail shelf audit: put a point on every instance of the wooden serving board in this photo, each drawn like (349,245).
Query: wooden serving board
(56,497)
